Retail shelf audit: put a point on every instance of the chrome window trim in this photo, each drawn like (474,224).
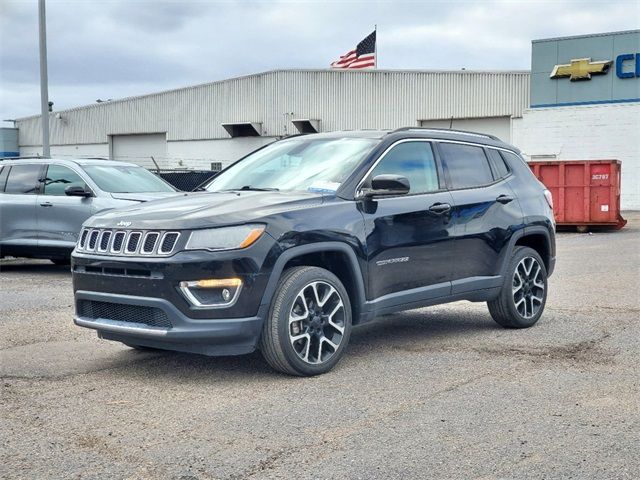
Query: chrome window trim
(358,193)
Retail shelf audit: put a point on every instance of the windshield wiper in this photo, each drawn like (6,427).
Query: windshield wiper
(254,189)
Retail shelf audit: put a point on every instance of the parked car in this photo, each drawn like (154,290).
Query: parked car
(43,202)
(308,236)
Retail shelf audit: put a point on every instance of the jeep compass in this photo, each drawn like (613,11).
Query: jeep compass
(299,241)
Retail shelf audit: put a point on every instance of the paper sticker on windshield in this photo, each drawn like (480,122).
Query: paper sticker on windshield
(324,187)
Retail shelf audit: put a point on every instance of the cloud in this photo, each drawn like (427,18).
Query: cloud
(118,48)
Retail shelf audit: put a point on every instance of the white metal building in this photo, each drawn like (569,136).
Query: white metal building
(588,110)
(222,121)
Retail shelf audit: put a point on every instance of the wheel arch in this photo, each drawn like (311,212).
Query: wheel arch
(336,257)
(535,237)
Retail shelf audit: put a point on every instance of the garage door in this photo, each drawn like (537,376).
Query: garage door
(498,126)
(140,148)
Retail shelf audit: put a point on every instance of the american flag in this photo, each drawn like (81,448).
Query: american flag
(364,56)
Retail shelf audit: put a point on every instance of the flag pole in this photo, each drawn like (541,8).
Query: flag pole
(375,46)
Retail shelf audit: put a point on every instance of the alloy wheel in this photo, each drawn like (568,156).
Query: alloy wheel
(317,322)
(528,287)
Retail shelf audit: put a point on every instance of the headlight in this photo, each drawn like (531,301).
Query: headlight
(225,238)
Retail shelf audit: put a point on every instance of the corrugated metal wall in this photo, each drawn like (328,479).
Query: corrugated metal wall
(342,100)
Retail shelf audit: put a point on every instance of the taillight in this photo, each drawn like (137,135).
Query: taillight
(549,198)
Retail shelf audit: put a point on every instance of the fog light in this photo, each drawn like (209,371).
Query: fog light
(212,293)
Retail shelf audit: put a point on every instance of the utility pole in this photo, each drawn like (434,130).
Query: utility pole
(44,81)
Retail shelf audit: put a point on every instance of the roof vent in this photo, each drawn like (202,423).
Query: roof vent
(306,125)
(243,129)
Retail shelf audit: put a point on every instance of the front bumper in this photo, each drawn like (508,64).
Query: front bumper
(231,336)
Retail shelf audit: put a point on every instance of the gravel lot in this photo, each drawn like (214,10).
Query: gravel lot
(441,392)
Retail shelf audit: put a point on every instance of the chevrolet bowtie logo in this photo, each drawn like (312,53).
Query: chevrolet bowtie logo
(581,69)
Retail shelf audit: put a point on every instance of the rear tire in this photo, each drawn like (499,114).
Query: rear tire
(524,293)
(309,322)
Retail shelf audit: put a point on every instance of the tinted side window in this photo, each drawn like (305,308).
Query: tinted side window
(512,157)
(23,179)
(4,171)
(413,160)
(59,178)
(468,166)
(500,168)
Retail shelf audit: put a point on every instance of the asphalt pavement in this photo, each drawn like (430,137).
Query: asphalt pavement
(441,392)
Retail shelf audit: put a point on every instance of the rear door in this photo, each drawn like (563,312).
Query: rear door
(59,217)
(18,204)
(409,237)
(486,213)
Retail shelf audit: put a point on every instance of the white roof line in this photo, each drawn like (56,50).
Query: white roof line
(277,71)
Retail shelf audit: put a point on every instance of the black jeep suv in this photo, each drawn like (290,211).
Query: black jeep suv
(299,241)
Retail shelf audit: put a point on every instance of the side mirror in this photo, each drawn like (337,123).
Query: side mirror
(387,185)
(77,191)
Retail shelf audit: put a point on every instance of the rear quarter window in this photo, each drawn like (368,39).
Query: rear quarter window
(500,167)
(23,179)
(512,157)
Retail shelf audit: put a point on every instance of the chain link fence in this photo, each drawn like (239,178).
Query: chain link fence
(184,179)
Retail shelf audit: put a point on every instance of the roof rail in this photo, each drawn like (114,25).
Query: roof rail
(26,157)
(444,130)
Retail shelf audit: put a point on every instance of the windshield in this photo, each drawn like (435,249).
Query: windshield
(126,179)
(315,165)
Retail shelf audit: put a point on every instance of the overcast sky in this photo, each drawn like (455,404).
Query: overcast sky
(114,49)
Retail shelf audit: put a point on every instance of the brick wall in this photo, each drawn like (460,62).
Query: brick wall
(586,133)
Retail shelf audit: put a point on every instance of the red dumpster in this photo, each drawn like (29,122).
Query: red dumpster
(585,192)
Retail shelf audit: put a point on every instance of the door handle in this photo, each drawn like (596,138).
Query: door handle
(440,208)
(46,204)
(504,199)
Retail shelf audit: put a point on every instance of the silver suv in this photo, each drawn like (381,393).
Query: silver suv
(43,202)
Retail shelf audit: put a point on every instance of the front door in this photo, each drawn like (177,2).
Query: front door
(409,237)
(59,216)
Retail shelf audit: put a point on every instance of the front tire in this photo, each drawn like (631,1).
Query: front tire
(524,293)
(309,322)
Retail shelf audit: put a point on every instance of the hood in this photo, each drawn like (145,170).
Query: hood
(202,210)
(143,196)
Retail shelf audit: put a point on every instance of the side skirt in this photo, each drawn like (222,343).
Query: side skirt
(476,289)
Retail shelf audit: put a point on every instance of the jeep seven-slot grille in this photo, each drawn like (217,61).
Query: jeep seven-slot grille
(168,242)
(108,241)
(104,241)
(95,310)
(133,242)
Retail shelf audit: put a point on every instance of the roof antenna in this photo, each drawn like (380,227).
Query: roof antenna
(156,164)
(451,123)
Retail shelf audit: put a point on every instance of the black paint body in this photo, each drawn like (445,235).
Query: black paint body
(392,253)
